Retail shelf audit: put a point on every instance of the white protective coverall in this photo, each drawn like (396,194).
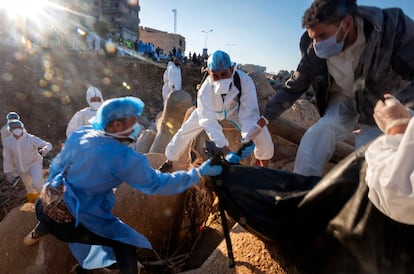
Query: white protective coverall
(81,117)
(172,80)
(21,156)
(212,108)
(4,133)
(390,175)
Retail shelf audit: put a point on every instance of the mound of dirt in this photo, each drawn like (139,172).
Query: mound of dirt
(47,87)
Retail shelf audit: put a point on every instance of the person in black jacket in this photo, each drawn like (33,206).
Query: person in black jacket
(352,55)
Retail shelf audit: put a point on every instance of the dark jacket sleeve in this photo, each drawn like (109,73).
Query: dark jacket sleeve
(403,57)
(392,61)
(309,67)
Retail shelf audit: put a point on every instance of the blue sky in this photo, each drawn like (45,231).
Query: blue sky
(261,32)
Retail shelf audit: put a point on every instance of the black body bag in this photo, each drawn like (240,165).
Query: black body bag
(262,200)
(380,244)
(271,203)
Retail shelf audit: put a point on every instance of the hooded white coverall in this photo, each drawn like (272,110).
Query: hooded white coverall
(390,175)
(212,108)
(172,80)
(81,117)
(21,156)
(4,133)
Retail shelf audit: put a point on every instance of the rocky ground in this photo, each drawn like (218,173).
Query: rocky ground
(47,87)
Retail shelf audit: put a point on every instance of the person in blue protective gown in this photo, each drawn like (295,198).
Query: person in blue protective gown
(95,160)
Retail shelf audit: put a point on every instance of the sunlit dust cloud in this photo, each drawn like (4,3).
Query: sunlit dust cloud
(47,93)
(125,84)
(107,71)
(23,8)
(18,56)
(65,100)
(43,83)
(167,212)
(132,3)
(7,76)
(80,32)
(48,75)
(55,88)
(106,81)
(20,96)
(110,47)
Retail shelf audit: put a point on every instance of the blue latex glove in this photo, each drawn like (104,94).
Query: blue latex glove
(247,150)
(233,158)
(206,169)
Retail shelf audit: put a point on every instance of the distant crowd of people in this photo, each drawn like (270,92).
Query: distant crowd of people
(79,40)
(147,49)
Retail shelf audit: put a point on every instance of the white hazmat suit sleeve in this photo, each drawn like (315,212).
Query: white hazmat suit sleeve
(249,107)
(8,158)
(75,122)
(390,175)
(45,149)
(4,134)
(43,145)
(20,154)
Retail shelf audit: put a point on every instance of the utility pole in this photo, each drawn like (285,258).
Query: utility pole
(206,32)
(175,20)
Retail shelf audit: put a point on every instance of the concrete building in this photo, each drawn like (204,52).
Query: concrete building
(120,17)
(166,41)
(75,19)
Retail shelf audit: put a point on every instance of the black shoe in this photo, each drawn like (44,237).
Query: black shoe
(166,167)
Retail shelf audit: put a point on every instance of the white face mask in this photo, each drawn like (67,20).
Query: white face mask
(132,136)
(17,131)
(329,47)
(222,86)
(95,105)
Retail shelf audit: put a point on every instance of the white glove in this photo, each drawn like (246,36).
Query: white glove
(390,113)
(252,133)
(43,151)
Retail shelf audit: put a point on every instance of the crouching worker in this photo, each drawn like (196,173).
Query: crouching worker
(95,159)
(227,94)
(23,156)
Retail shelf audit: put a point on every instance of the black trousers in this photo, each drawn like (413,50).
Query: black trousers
(125,254)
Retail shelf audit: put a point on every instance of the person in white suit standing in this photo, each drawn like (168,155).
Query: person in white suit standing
(81,118)
(172,78)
